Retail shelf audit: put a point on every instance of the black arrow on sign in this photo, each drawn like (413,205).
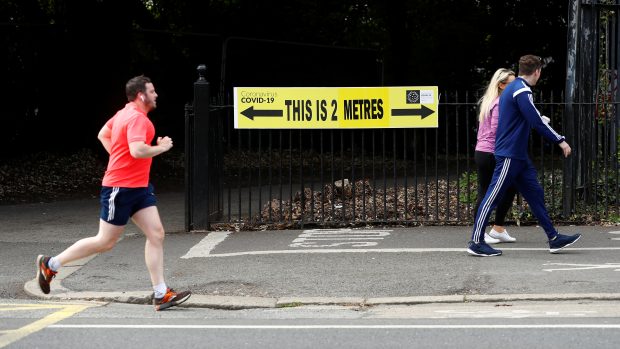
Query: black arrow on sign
(424,112)
(250,113)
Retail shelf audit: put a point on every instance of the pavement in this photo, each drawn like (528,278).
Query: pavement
(270,269)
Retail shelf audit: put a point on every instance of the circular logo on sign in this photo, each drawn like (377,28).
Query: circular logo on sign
(413,97)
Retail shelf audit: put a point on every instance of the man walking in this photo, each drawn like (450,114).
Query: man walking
(517,114)
(126,193)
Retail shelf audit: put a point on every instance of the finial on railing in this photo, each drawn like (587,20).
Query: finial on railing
(202,72)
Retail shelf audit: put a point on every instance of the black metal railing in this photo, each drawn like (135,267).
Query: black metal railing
(296,178)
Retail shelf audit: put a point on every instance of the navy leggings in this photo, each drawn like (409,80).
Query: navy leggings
(521,174)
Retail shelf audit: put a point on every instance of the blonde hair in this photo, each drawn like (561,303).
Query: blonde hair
(492,92)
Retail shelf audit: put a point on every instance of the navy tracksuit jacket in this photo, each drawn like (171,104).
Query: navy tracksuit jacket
(517,115)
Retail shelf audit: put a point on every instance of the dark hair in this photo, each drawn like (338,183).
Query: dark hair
(529,63)
(135,85)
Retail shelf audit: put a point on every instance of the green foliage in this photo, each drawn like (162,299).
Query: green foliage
(606,187)
(468,188)
(614,218)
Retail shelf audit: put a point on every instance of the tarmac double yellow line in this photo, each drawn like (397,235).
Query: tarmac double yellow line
(65,310)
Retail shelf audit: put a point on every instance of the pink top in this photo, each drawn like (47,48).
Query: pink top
(487,129)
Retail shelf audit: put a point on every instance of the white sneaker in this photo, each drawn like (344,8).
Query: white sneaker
(490,240)
(501,237)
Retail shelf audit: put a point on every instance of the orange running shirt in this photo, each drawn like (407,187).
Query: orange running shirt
(130,124)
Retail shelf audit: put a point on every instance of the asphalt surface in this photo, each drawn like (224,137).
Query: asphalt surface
(560,324)
(266,269)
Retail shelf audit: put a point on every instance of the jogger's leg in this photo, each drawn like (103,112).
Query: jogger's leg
(148,220)
(105,239)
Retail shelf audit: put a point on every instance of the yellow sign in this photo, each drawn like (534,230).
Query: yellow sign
(336,107)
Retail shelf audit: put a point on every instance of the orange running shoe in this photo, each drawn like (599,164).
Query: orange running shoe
(170,299)
(44,273)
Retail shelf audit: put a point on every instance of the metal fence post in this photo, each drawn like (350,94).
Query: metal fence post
(198,172)
(568,190)
(189,164)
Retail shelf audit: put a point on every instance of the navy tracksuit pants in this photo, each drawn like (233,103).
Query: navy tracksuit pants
(522,175)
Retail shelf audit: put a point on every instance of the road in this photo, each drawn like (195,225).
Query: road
(379,287)
(585,324)
(369,263)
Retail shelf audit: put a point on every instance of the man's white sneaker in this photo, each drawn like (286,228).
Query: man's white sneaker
(501,237)
(490,240)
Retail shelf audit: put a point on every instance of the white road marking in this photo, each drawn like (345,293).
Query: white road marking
(318,241)
(206,245)
(514,314)
(339,237)
(573,266)
(382,250)
(328,327)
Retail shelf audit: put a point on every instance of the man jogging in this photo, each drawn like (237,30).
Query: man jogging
(517,114)
(126,193)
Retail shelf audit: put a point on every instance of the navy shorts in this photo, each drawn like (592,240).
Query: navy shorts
(119,204)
